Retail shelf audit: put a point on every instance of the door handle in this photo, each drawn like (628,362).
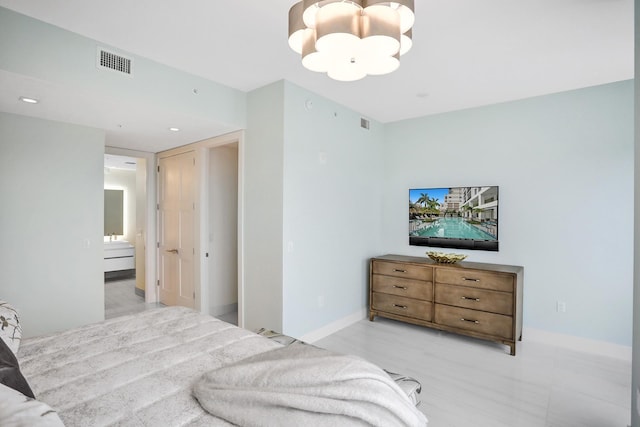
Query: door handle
(173,251)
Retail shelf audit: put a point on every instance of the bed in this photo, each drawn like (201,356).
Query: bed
(143,370)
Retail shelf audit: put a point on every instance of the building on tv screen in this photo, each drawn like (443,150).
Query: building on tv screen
(456,217)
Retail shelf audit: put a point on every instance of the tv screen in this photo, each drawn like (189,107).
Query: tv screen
(454,217)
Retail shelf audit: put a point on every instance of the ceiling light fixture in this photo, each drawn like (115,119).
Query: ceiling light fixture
(350,39)
(174,129)
(28,100)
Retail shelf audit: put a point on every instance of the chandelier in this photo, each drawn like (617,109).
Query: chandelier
(350,39)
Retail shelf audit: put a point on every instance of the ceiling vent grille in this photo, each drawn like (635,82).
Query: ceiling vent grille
(112,61)
(364,123)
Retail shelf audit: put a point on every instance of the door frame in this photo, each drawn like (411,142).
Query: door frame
(150,294)
(201,273)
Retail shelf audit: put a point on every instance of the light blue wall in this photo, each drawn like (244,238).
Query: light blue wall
(36,49)
(262,216)
(312,209)
(635,383)
(564,164)
(332,199)
(51,222)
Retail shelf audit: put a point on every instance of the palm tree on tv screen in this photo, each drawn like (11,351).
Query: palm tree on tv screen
(433,204)
(422,200)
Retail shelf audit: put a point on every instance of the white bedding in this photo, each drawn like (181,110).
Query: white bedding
(303,385)
(134,370)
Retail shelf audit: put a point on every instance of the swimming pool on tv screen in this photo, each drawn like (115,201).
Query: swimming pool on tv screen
(455,228)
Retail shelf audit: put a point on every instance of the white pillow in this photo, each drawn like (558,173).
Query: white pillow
(10,329)
(18,410)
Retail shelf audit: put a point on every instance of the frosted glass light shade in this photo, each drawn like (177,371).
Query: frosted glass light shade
(296,27)
(311,58)
(338,27)
(405,9)
(350,39)
(377,65)
(406,41)
(346,70)
(381,30)
(311,7)
(309,10)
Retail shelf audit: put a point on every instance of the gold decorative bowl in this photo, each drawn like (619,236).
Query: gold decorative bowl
(445,258)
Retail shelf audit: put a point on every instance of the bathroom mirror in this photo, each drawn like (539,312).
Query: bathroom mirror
(113,212)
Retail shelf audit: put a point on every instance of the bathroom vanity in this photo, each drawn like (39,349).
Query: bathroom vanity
(119,255)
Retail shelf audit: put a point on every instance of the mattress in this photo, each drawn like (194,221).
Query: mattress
(135,370)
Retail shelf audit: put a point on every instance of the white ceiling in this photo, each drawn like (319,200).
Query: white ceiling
(112,161)
(466,53)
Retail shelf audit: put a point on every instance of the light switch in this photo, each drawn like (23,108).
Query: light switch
(322,158)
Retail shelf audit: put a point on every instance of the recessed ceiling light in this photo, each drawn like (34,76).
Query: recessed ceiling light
(28,100)
(174,129)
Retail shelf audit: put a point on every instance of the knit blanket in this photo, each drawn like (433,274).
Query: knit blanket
(302,385)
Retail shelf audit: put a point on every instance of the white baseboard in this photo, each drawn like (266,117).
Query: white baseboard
(601,348)
(332,327)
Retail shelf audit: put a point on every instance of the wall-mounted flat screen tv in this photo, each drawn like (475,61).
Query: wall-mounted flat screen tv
(454,217)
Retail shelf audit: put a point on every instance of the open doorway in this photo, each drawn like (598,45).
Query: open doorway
(124,234)
(222,255)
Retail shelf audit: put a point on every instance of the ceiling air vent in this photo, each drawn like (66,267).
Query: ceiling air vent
(364,123)
(112,61)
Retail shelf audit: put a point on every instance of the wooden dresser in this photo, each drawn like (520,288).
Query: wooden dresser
(475,299)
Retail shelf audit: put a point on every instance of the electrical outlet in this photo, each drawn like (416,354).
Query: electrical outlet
(561,307)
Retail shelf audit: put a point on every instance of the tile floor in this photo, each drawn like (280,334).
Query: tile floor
(120,298)
(231,317)
(468,382)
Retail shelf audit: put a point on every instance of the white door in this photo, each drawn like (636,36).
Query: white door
(176,215)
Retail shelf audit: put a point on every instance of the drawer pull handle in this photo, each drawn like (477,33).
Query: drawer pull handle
(400,287)
(470,298)
(400,306)
(399,271)
(468,279)
(470,321)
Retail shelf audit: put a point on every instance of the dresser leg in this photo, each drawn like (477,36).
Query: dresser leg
(513,349)
(371,316)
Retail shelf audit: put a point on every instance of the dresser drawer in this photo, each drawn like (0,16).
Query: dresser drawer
(477,299)
(407,271)
(476,278)
(403,287)
(402,306)
(473,320)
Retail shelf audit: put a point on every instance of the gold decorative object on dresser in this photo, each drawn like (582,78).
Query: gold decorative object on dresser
(474,299)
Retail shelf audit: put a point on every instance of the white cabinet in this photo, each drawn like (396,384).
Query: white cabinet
(119,255)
